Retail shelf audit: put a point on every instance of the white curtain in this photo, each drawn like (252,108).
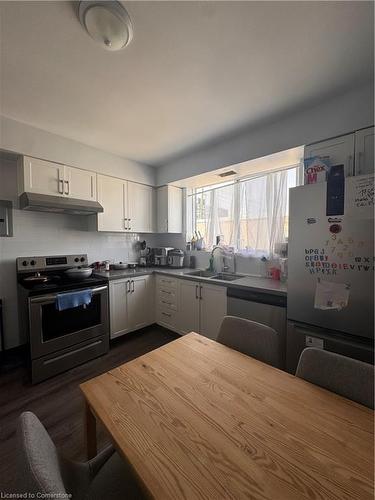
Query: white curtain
(250,215)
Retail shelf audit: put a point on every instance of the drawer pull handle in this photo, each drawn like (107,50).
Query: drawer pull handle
(168,303)
(166,314)
(165,291)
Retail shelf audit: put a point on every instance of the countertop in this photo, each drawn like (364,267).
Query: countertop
(253,283)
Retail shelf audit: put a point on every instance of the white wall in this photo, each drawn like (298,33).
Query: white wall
(25,139)
(37,233)
(336,116)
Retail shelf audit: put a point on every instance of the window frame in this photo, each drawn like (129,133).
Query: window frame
(190,193)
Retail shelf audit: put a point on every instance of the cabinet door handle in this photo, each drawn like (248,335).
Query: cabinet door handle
(168,303)
(200,292)
(61,186)
(132,286)
(128,286)
(165,291)
(196,292)
(67,188)
(166,314)
(125,226)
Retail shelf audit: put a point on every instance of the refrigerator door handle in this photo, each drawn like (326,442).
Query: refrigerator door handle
(350,166)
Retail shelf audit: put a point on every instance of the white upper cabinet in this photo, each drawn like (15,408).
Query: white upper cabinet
(364,151)
(169,209)
(40,176)
(80,184)
(111,195)
(128,206)
(46,177)
(340,151)
(141,208)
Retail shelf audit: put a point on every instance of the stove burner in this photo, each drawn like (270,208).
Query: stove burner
(45,280)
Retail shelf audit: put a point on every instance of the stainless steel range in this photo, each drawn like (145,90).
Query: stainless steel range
(61,337)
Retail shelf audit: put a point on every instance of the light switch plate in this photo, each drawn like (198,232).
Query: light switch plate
(314,342)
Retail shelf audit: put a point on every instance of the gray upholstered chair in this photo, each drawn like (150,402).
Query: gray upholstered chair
(254,339)
(41,469)
(348,377)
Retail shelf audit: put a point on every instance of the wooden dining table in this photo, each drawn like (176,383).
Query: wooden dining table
(196,419)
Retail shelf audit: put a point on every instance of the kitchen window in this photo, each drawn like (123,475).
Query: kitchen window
(249,214)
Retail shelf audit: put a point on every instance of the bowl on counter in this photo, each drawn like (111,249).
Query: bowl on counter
(78,273)
(119,266)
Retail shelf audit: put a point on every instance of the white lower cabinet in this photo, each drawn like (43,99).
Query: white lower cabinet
(213,308)
(131,304)
(141,302)
(186,305)
(188,320)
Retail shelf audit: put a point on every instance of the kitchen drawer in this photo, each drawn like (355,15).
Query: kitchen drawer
(167,303)
(166,317)
(166,281)
(167,293)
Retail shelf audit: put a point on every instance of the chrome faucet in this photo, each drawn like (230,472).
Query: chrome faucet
(224,254)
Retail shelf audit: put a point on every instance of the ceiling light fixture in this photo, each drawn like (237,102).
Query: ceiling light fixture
(107,22)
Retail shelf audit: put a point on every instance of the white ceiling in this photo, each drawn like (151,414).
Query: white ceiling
(195,71)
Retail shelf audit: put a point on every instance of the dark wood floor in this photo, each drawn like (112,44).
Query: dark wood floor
(58,402)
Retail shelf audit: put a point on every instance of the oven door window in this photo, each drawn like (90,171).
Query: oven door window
(56,323)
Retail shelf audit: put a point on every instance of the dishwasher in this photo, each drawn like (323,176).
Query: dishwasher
(266,308)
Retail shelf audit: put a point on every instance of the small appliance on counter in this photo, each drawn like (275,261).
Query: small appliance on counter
(176,258)
(160,255)
(145,255)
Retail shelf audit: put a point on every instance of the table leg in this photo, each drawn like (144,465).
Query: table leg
(91,445)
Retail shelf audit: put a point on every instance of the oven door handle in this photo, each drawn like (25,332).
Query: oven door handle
(52,297)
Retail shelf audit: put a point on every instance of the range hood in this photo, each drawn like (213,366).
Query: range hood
(58,204)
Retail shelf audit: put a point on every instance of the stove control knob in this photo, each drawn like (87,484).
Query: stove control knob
(32,262)
(76,259)
(82,259)
(25,263)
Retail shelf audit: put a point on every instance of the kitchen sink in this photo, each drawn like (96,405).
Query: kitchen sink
(227,276)
(202,274)
(215,276)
